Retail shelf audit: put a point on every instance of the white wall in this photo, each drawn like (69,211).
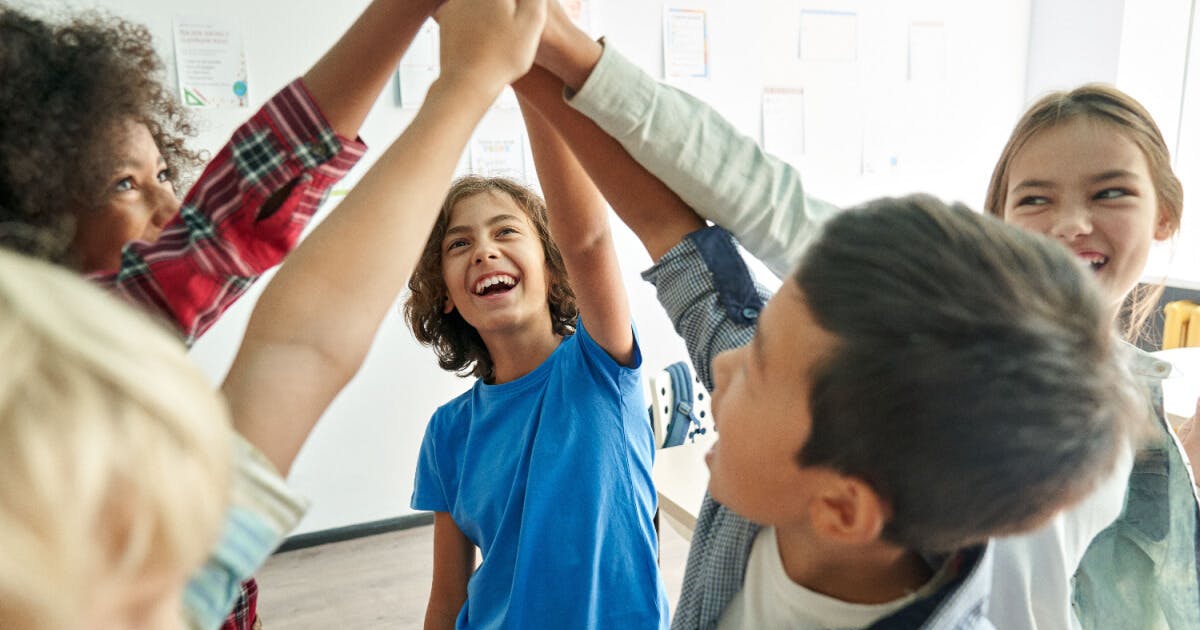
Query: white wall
(358,464)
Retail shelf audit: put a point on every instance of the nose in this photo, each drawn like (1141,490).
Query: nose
(164,206)
(486,250)
(1071,221)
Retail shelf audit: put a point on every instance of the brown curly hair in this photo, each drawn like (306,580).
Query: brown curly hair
(458,346)
(66,88)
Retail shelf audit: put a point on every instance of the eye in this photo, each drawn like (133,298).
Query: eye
(164,176)
(456,243)
(1032,200)
(1113,193)
(505,231)
(123,185)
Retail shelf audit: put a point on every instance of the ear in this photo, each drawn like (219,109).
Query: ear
(1164,227)
(848,510)
(447,305)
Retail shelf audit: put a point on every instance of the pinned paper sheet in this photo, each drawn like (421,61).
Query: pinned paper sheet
(685,43)
(828,35)
(419,67)
(926,51)
(211,62)
(499,157)
(783,123)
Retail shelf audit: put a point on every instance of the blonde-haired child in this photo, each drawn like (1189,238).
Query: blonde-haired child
(115,457)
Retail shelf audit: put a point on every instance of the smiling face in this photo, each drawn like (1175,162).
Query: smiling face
(1088,185)
(494,265)
(138,202)
(761,410)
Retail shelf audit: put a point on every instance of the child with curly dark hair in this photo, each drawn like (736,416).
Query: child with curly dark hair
(93,155)
(544,464)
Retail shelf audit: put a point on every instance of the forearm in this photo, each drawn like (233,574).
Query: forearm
(578,219)
(655,214)
(721,173)
(346,81)
(315,322)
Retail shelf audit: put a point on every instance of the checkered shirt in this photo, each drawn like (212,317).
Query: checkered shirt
(218,245)
(714,302)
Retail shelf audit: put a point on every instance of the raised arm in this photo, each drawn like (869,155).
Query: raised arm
(655,214)
(579,226)
(717,170)
(346,81)
(314,323)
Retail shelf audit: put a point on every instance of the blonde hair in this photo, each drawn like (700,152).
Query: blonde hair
(1104,103)
(115,452)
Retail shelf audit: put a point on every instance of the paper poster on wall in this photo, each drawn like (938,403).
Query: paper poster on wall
(498,156)
(828,35)
(783,123)
(926,51)
(210,62)
(419,67)
(685,43)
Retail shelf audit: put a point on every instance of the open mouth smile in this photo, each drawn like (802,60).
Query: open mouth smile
(495,284)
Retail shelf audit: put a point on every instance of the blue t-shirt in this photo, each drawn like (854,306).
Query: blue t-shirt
(550,476)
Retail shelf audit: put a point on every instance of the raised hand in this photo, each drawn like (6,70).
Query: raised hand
(489,43)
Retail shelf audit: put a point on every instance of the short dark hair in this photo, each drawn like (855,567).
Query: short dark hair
(66,88)
(458,346)
(977,383)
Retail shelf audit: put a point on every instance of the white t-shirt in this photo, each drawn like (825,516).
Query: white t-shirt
(1031,580)
(770,599)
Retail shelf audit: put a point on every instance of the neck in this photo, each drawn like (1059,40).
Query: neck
(517,352)
(872,573)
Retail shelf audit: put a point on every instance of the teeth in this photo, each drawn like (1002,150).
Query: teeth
(504,279)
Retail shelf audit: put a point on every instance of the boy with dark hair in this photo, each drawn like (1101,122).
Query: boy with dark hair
(912,391)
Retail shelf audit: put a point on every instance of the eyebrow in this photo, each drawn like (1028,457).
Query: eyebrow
(1102,177)
(131,164)
(500,218)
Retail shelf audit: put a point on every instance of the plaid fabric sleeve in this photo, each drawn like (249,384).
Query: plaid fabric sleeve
(218,245)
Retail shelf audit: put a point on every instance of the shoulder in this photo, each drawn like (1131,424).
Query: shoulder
(582,344)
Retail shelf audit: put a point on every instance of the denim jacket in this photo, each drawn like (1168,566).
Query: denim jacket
(1142,572)
(714,303)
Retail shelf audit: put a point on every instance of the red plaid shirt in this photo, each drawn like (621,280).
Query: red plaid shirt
(217,246)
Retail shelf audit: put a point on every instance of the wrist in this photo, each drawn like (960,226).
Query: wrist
(477,88)
(571,55)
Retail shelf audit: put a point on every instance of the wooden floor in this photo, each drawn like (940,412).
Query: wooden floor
(378,582)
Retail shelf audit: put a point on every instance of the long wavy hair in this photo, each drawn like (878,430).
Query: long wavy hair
(458,346)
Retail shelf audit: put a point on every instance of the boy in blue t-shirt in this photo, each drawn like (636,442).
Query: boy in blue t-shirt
(544,465)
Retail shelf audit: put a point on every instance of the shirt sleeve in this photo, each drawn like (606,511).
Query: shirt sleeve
(219,244)
(724,175)
(263,510)
(709,294)
(428,492)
